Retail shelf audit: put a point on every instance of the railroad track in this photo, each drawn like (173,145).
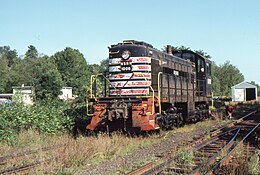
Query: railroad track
(23,162)
(208,153)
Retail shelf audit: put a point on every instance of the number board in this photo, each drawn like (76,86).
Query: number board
(126,66)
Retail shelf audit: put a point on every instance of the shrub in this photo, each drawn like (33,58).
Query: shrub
(46,117)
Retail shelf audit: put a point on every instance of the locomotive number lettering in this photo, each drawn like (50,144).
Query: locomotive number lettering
(126,68)
(125,63)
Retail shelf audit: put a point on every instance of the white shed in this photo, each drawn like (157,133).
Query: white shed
(66,93)
(244,92)
(23,94)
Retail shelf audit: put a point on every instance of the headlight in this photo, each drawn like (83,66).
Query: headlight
(126,54)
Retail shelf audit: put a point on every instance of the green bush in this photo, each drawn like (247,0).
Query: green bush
(45,117)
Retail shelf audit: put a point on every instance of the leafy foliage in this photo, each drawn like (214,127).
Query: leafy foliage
(201,52)
(44,117)
(215,80)
(8,60)
(227,75)
(31,53)
(3,74)
(73,69)
(48,82)
(186,156)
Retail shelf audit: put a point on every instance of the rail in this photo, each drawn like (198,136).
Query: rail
(212,138)
(25,154)
(214,157)
(228,156)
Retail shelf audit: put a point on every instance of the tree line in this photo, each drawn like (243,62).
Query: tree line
(48,74)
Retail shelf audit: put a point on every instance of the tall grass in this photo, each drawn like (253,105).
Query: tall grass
(78,154)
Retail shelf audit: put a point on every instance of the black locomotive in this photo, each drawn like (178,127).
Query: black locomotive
(147,89)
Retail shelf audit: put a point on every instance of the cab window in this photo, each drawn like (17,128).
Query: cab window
(208,68)
(201,67)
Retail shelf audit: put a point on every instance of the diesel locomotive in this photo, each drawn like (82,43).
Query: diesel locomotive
(147,89)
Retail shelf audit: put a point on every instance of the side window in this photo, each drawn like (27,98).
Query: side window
(178,55)
(188,56)
(208,69)
(201,67)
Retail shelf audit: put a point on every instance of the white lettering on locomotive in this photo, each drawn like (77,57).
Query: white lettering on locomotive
(130,83)
(140,91)
(113,61)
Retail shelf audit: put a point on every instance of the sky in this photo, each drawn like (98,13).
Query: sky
(228,30)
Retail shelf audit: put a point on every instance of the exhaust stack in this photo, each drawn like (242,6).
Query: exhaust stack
(169,49)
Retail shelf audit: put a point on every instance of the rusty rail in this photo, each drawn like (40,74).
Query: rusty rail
(22,168)
(3,159)
(220,130)
(212,159)
(158,166)
(229,155)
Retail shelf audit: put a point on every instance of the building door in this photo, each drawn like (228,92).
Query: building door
(250,94)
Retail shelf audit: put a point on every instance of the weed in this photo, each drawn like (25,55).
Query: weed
(253,164)
(239,151)
(185,156)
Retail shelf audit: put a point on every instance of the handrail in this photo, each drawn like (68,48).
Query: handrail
(91,95)
(91,85)
(152,103)
(88,114)
(92,79)
(159,92)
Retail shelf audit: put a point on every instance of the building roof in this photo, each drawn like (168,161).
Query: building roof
(6,95)
(243,85)
(22,87)
(66,87)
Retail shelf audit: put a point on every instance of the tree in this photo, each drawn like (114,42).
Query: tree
(48,80)
(215,80)
(201,52)
(181,48)
(9,55)
(104,65)
(178,48)
(31,53)
(26,71)
(228,76)
(73,69)
(3,75)
(8,60)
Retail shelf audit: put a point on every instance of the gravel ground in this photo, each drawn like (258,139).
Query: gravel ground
(141,156)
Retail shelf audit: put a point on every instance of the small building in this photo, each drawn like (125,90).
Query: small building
(6,98)
(66,93)
(23,94)
(244,92)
